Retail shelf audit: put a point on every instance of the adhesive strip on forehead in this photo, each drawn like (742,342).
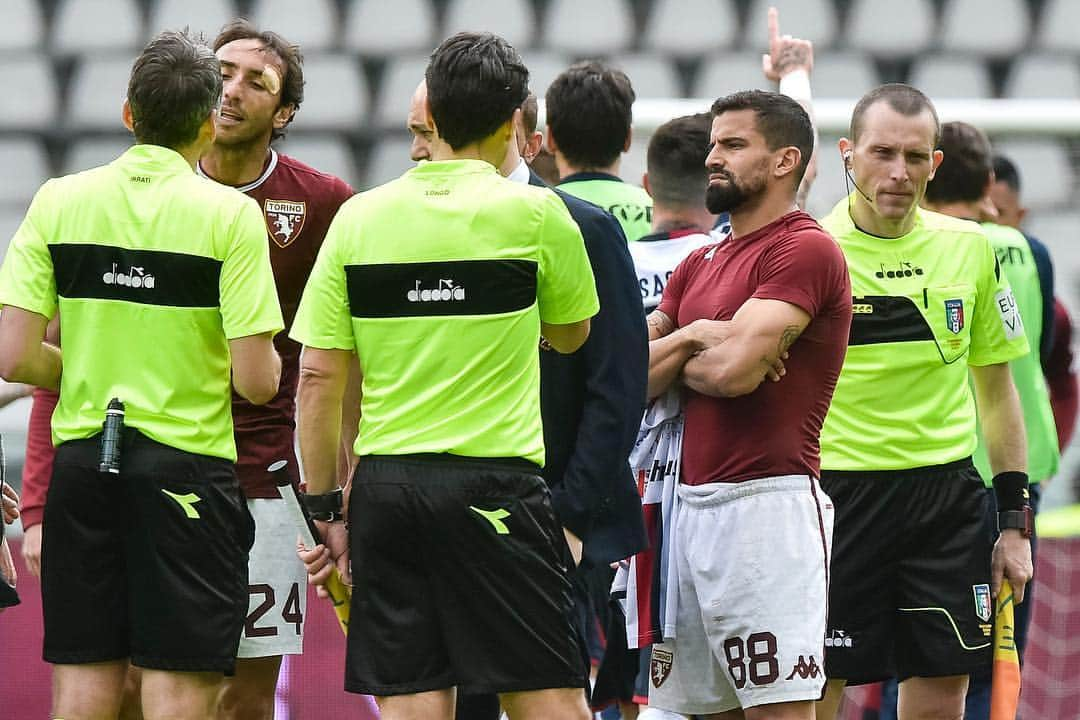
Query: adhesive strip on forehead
(271,79)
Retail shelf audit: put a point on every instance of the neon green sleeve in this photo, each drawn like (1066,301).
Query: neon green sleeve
(566,289)
(323,319)
(249,302)
(998,333)
(27,279)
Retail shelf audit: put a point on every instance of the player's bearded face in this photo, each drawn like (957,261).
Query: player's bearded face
(728,193)
(737,163)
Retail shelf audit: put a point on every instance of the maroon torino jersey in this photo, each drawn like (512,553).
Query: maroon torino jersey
(775,429)
(298,203)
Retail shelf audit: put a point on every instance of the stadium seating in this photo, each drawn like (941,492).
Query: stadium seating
(29,81)
(23,26)
(327,153)
(388,160)
(910,27)
(1044,169)
(726,73)
(543,68)
(1044,76)
(89,152)
(377,27)
(398,84)
(335,93)
(598,27)
(98,25)
(25,163)
(687,28)
(951,76)
(651,75)
(1058,29)
(512,19)
(98,88)
(814,20)
(967,26)
(843,75)
(313,24)
(204,16)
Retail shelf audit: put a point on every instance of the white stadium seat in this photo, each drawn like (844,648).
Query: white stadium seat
(312,24)
(389,158)
(724,74)
(543,68)
(26,166)
(27,78)
(1058,230)
(951,76)
(399,81)
(843,75)
(889,29)
(997,29)
(1046,176)
(335,94)
(327,153)
(514,20)
(813,20)
(24,28)
(83,26)
(597,27)
(1044,76)
(97,92)
(1058,27)
(90,152)
(379,27)
(684,28)
(201,16)
(651,75)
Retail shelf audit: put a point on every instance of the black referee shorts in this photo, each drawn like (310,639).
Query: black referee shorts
(909,590)
(150,564)
(460,575)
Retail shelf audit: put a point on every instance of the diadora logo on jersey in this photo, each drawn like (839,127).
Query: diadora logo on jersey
(284,219)
(954,315)
(805,669)
(660,666)
(982,601)
(447,291)
(135,277)
(902,270)
(838,638)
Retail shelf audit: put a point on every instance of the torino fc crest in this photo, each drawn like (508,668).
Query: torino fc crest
(954,315)
(284,219)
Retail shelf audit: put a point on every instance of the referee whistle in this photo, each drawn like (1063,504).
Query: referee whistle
(109,459)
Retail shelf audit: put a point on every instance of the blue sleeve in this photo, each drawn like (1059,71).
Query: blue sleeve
(616,369)
(1045,267)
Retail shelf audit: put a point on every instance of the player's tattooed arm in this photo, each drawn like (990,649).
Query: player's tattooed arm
(760,335)
(659,325)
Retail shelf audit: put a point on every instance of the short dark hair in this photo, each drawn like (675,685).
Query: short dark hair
(292,85)
(175,84)
(588,110)
(904,99)
(780,120)
(475,82)
(1006,171)
(965,170)
(530,112)
(676,161)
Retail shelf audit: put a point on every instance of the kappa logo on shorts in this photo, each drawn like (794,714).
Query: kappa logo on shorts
(660,666)
(983,606)
(805,669)
(495,517)
(187,502)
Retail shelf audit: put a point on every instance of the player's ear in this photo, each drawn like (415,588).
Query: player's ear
(126,116)
(283,115)
(787,159)
(935,162)
(846,148)
(645,183)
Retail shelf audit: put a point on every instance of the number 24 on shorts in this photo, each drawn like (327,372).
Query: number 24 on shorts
(290,612)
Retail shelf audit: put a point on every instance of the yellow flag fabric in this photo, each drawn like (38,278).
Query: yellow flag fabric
(1005,688)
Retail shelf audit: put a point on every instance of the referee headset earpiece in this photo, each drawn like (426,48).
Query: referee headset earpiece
(848,176)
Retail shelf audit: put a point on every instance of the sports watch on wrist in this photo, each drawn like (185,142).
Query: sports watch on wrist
(325,507)
(1022,520)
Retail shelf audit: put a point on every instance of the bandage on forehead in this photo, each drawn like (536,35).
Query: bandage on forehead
(271,79)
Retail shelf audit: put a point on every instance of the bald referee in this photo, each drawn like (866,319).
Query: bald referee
(163,285)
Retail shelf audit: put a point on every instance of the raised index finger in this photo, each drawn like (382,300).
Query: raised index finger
(774,26)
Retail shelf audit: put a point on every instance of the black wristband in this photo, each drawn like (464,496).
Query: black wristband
(326,506)
(1011,490)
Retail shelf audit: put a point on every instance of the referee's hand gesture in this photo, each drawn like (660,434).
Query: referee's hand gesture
(1011,559)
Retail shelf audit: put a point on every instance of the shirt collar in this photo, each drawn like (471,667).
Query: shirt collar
(582,176)
(270,165)
(144,158)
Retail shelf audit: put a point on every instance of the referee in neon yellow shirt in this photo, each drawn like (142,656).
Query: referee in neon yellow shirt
(163,284)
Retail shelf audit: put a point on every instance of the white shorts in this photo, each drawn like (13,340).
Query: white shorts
(277,584)
(753,586)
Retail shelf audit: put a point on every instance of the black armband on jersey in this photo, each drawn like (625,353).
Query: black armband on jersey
(1011,490)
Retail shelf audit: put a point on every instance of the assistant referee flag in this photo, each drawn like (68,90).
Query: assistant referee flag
(1005,682)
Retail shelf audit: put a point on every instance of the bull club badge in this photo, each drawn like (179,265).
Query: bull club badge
(954,315)
(660,667)
(284,220)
